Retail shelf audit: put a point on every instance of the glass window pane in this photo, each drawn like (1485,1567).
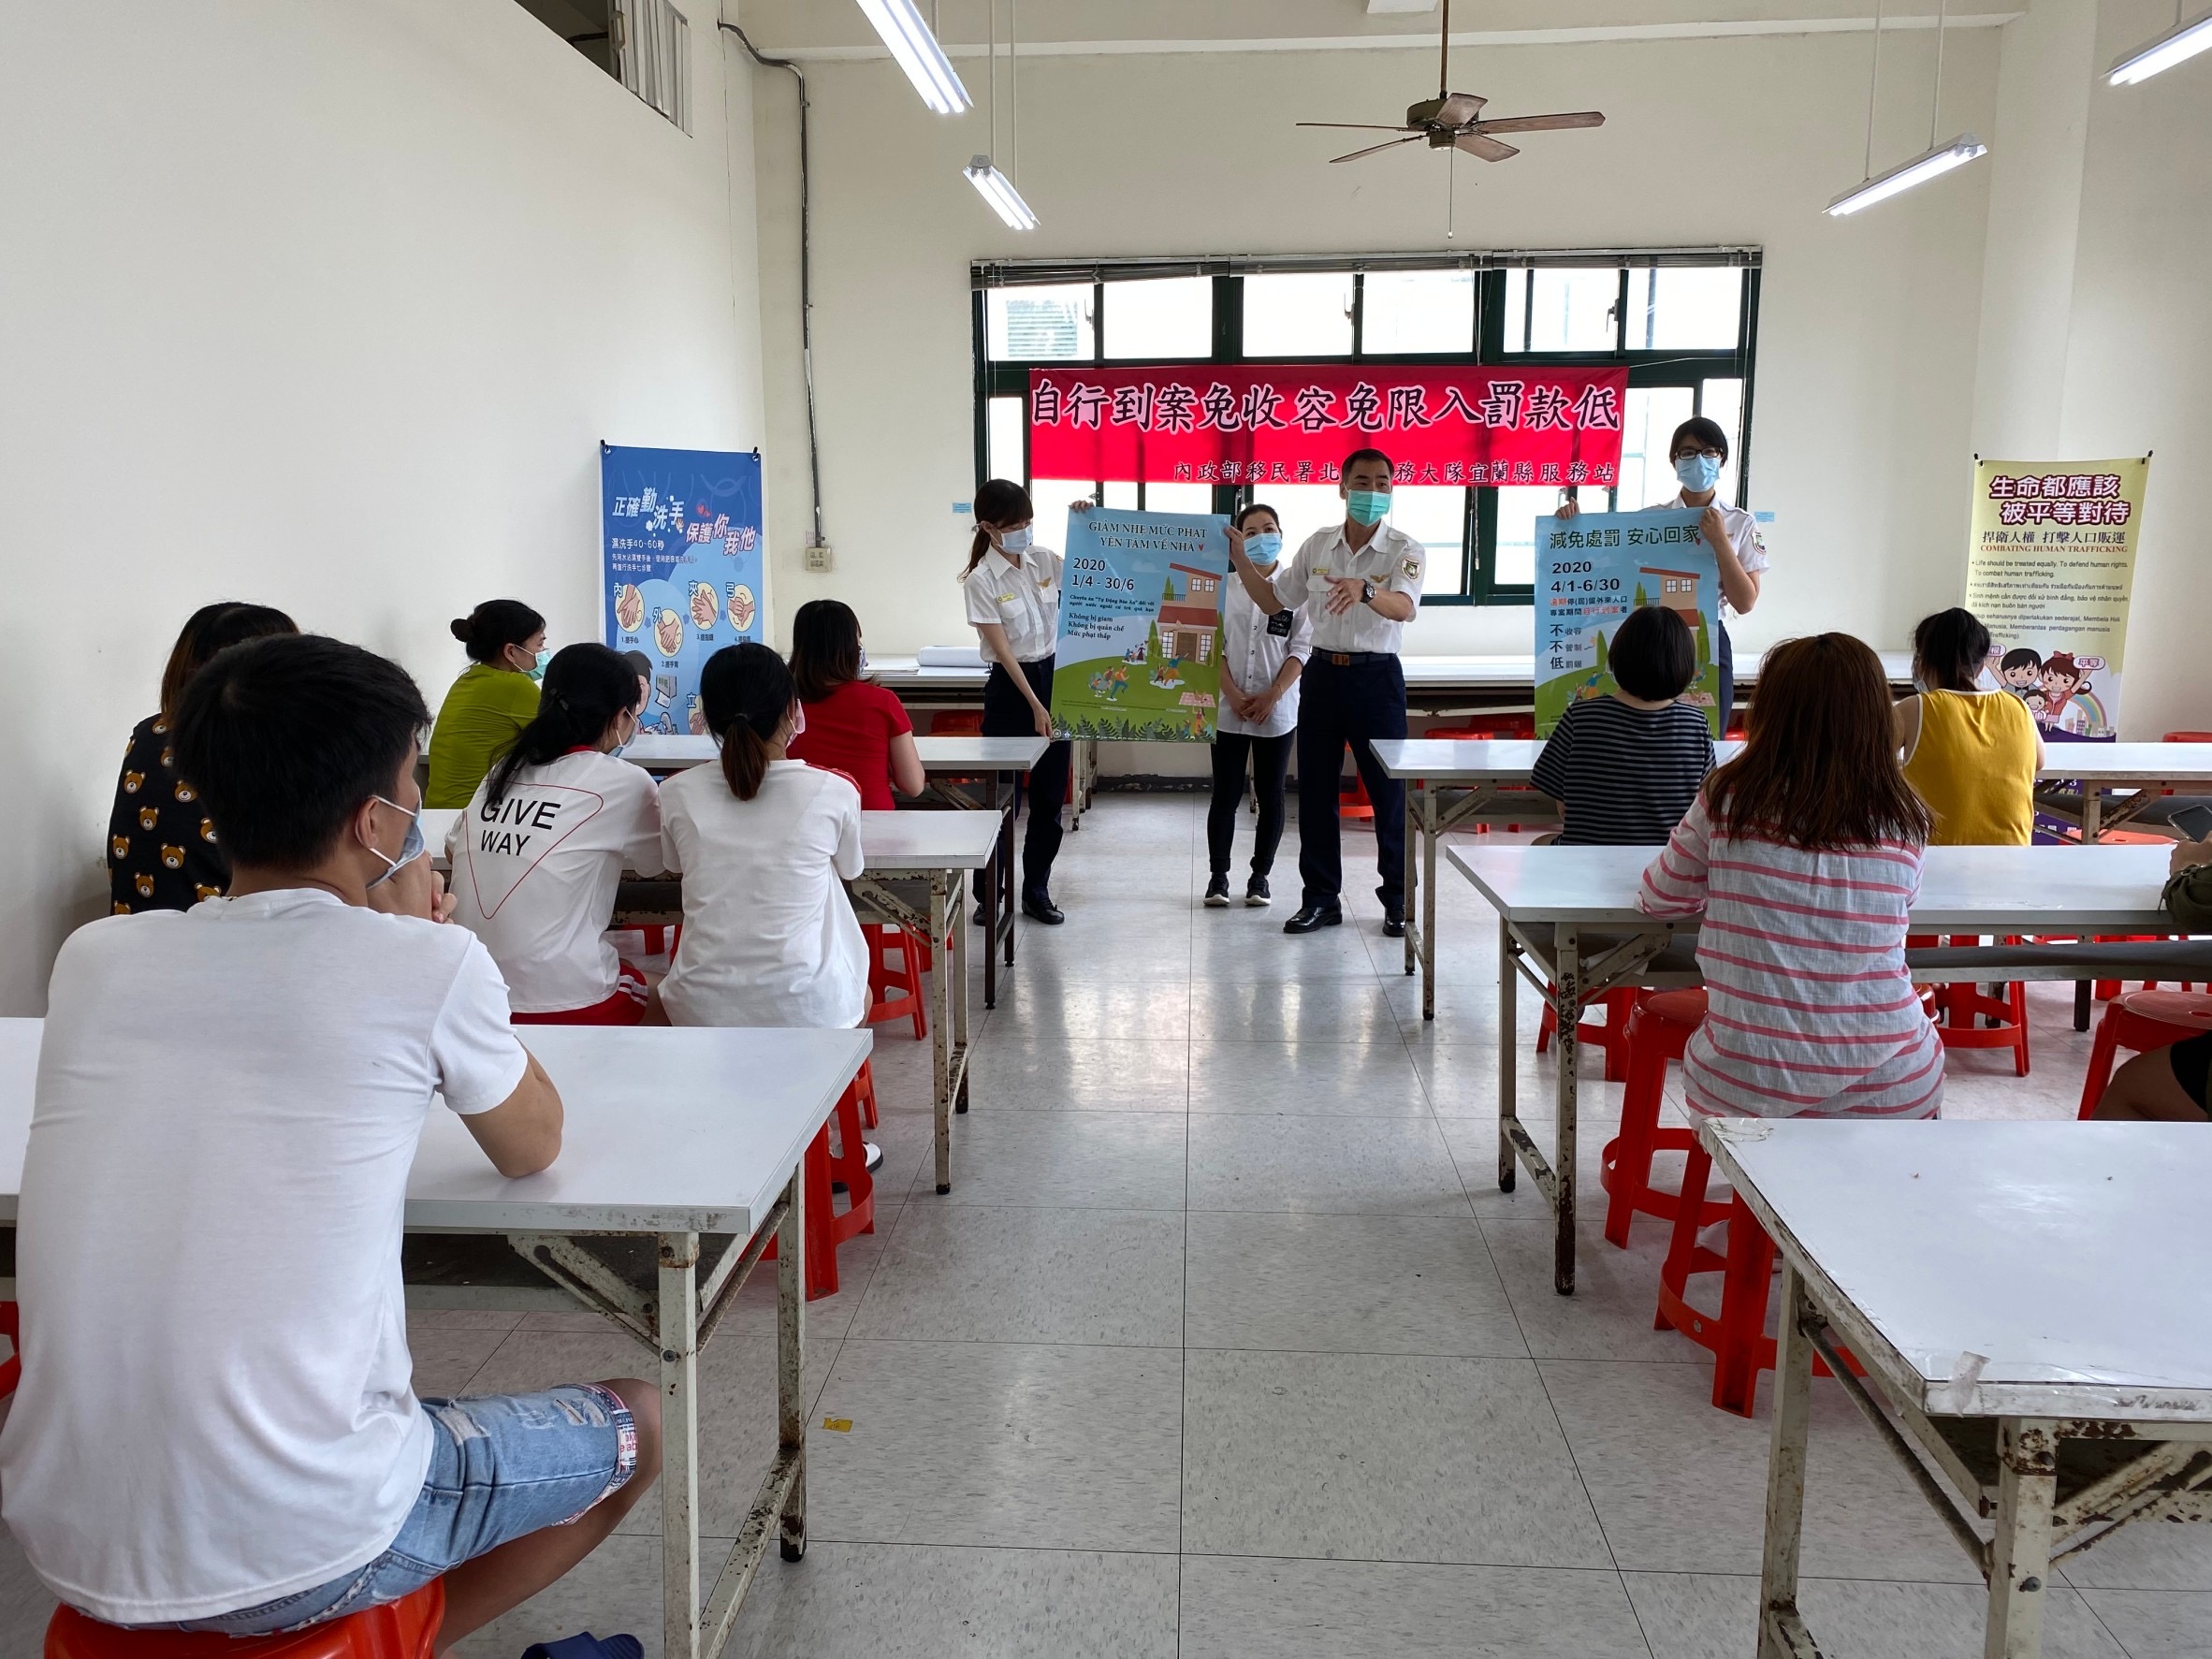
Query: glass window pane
(1436,516)
(1303,508)
(1722,401)
(1120,495)
(1301,316)
(1646,474)
(1518,509)
(1178,498)
(1562,310)
(1684,307)
(1039,325)
(1419,310)
(1003,434)
(1050,497)
(1169,317)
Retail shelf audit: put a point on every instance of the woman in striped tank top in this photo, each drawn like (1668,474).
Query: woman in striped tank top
(1804,855)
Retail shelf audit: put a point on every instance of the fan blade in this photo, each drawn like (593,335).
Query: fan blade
(1458,108)
(1541,124)
(1488,148)
(1386,144)
(1360,126)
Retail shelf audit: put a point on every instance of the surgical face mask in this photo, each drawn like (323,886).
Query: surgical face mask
(1367,506)
(1698,473)
(409,848)
(1264,546)
(1015,541)
(798,723)
(537,667)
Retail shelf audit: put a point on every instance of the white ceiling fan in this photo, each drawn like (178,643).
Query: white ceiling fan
(1453,121)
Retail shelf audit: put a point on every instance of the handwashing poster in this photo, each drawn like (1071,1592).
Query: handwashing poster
(682,565)
(2050,571)
(1138,652)
(1592,571)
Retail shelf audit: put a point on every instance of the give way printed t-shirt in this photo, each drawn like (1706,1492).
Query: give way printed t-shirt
(534,874)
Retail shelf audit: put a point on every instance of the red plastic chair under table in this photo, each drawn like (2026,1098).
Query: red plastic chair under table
(2140,1022)
(825,1230)
(403,1629)
(894,984)
(1608,1036)
(1959,1009)
(1658,1030)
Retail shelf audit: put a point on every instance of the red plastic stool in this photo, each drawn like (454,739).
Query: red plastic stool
(403,1629)
(1959,1008)
(2140,1022)
(11,1371)
(895,987)
(1611,1037)
(956,723)
(1659,1030)
(825,1228)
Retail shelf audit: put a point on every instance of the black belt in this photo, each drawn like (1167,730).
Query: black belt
(1348,659)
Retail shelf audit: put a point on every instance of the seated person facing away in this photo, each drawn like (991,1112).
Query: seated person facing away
(1971,753)
(160,844)
(495,697)
(2168,1084)
(764,844)
(215,1429)
(539,851)
(1804,853)
(1626,767)
(846,723)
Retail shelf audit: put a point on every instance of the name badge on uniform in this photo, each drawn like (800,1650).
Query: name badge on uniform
(1280,624)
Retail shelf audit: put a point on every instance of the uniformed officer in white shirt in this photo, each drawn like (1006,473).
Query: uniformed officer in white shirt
(1360,582)
(1698,452)
(1263,656)
(1012,587)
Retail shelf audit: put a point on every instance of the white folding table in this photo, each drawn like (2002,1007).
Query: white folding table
(1567,921)
(680,1161)
(2029,1304)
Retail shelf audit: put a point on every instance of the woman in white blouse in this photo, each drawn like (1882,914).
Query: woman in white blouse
(1261,658)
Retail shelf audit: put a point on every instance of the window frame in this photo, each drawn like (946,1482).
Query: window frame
(1479,583)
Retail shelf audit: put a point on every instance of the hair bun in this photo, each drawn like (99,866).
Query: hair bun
(461,629)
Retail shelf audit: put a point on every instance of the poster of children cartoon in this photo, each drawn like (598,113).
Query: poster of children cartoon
(2050,571)
(682,556)
(1138,657)
(1591,572)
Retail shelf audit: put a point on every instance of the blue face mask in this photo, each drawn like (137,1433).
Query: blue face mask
(1015,541)
(1698,473)
(409,848)
(537,669)
(1264,546)
(1367,506)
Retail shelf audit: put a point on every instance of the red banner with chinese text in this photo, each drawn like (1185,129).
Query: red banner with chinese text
(1290,423)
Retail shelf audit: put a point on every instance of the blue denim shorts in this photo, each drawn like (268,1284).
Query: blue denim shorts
(502,1466)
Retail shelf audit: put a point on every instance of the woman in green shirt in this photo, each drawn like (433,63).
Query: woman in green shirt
(496,697)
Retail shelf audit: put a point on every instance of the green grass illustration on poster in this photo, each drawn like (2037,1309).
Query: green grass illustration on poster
(1591,572)
(1138,652)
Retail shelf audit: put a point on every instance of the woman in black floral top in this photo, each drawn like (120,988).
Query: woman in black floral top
(160,849)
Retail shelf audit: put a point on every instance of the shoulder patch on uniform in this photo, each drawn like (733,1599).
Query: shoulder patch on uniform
(1411,567)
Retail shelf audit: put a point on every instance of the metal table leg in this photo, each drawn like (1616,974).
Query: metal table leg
(1566,1049)
(1782,1632)
(678,1322)
(2020,1550)
(1430,832)
(940,1035)
(1413,886)
(994,901)
(1509,1053)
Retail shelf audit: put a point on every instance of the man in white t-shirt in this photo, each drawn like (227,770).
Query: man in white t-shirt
(215,1427)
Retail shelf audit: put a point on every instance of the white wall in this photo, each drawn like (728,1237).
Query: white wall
(326,306)
(1868,329)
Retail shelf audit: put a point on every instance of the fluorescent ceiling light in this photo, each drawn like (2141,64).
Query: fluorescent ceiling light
(1921,169)
(918,53)
(2184,42)
(997,189)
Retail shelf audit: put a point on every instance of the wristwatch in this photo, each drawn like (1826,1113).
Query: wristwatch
(1366,591)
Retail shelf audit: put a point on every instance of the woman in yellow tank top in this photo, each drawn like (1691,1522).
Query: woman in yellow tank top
(1972,753)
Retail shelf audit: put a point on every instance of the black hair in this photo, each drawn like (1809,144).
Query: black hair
(1257,507)
(1705,434)
(210,629)
(641,663)
(585,687)
(1952,649)
(824,647)
(2019,656)
(997,500)
(1358,456)
(745,691)
(493,626)
(1653,655)
(284,738)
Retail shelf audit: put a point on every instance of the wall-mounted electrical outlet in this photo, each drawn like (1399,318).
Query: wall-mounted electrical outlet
(818,559)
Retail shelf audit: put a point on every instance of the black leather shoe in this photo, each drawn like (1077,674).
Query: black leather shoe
(1393,922)
(1313,918)
(1039,908)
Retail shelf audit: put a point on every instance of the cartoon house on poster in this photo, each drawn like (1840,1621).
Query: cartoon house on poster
(1678,591)
(1187,625)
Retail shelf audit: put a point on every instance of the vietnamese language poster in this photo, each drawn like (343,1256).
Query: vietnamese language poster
(681,566)
(1138,652)
(1592,571)
(2050,571)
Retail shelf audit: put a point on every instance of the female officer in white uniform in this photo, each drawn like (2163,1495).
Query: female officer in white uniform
(1013,603)
(1262,655)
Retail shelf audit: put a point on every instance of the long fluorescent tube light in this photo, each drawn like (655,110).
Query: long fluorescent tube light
(997,189)
(2163,54)
(918,53)
(1921,169)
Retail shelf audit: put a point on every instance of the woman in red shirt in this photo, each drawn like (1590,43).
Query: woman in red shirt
(851,726)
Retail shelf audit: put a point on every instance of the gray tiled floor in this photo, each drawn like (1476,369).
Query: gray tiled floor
(1226,1346)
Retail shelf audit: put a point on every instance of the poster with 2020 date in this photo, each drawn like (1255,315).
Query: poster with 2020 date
(1596,568)
(1138,657)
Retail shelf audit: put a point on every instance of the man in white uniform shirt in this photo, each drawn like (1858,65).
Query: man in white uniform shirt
(1360,582)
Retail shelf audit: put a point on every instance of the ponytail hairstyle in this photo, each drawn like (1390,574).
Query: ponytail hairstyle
(585,687)
(824,647)
(998,500)
(493,626)
(746,694)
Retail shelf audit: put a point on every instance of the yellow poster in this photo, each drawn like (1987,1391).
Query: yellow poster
(2050,571)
